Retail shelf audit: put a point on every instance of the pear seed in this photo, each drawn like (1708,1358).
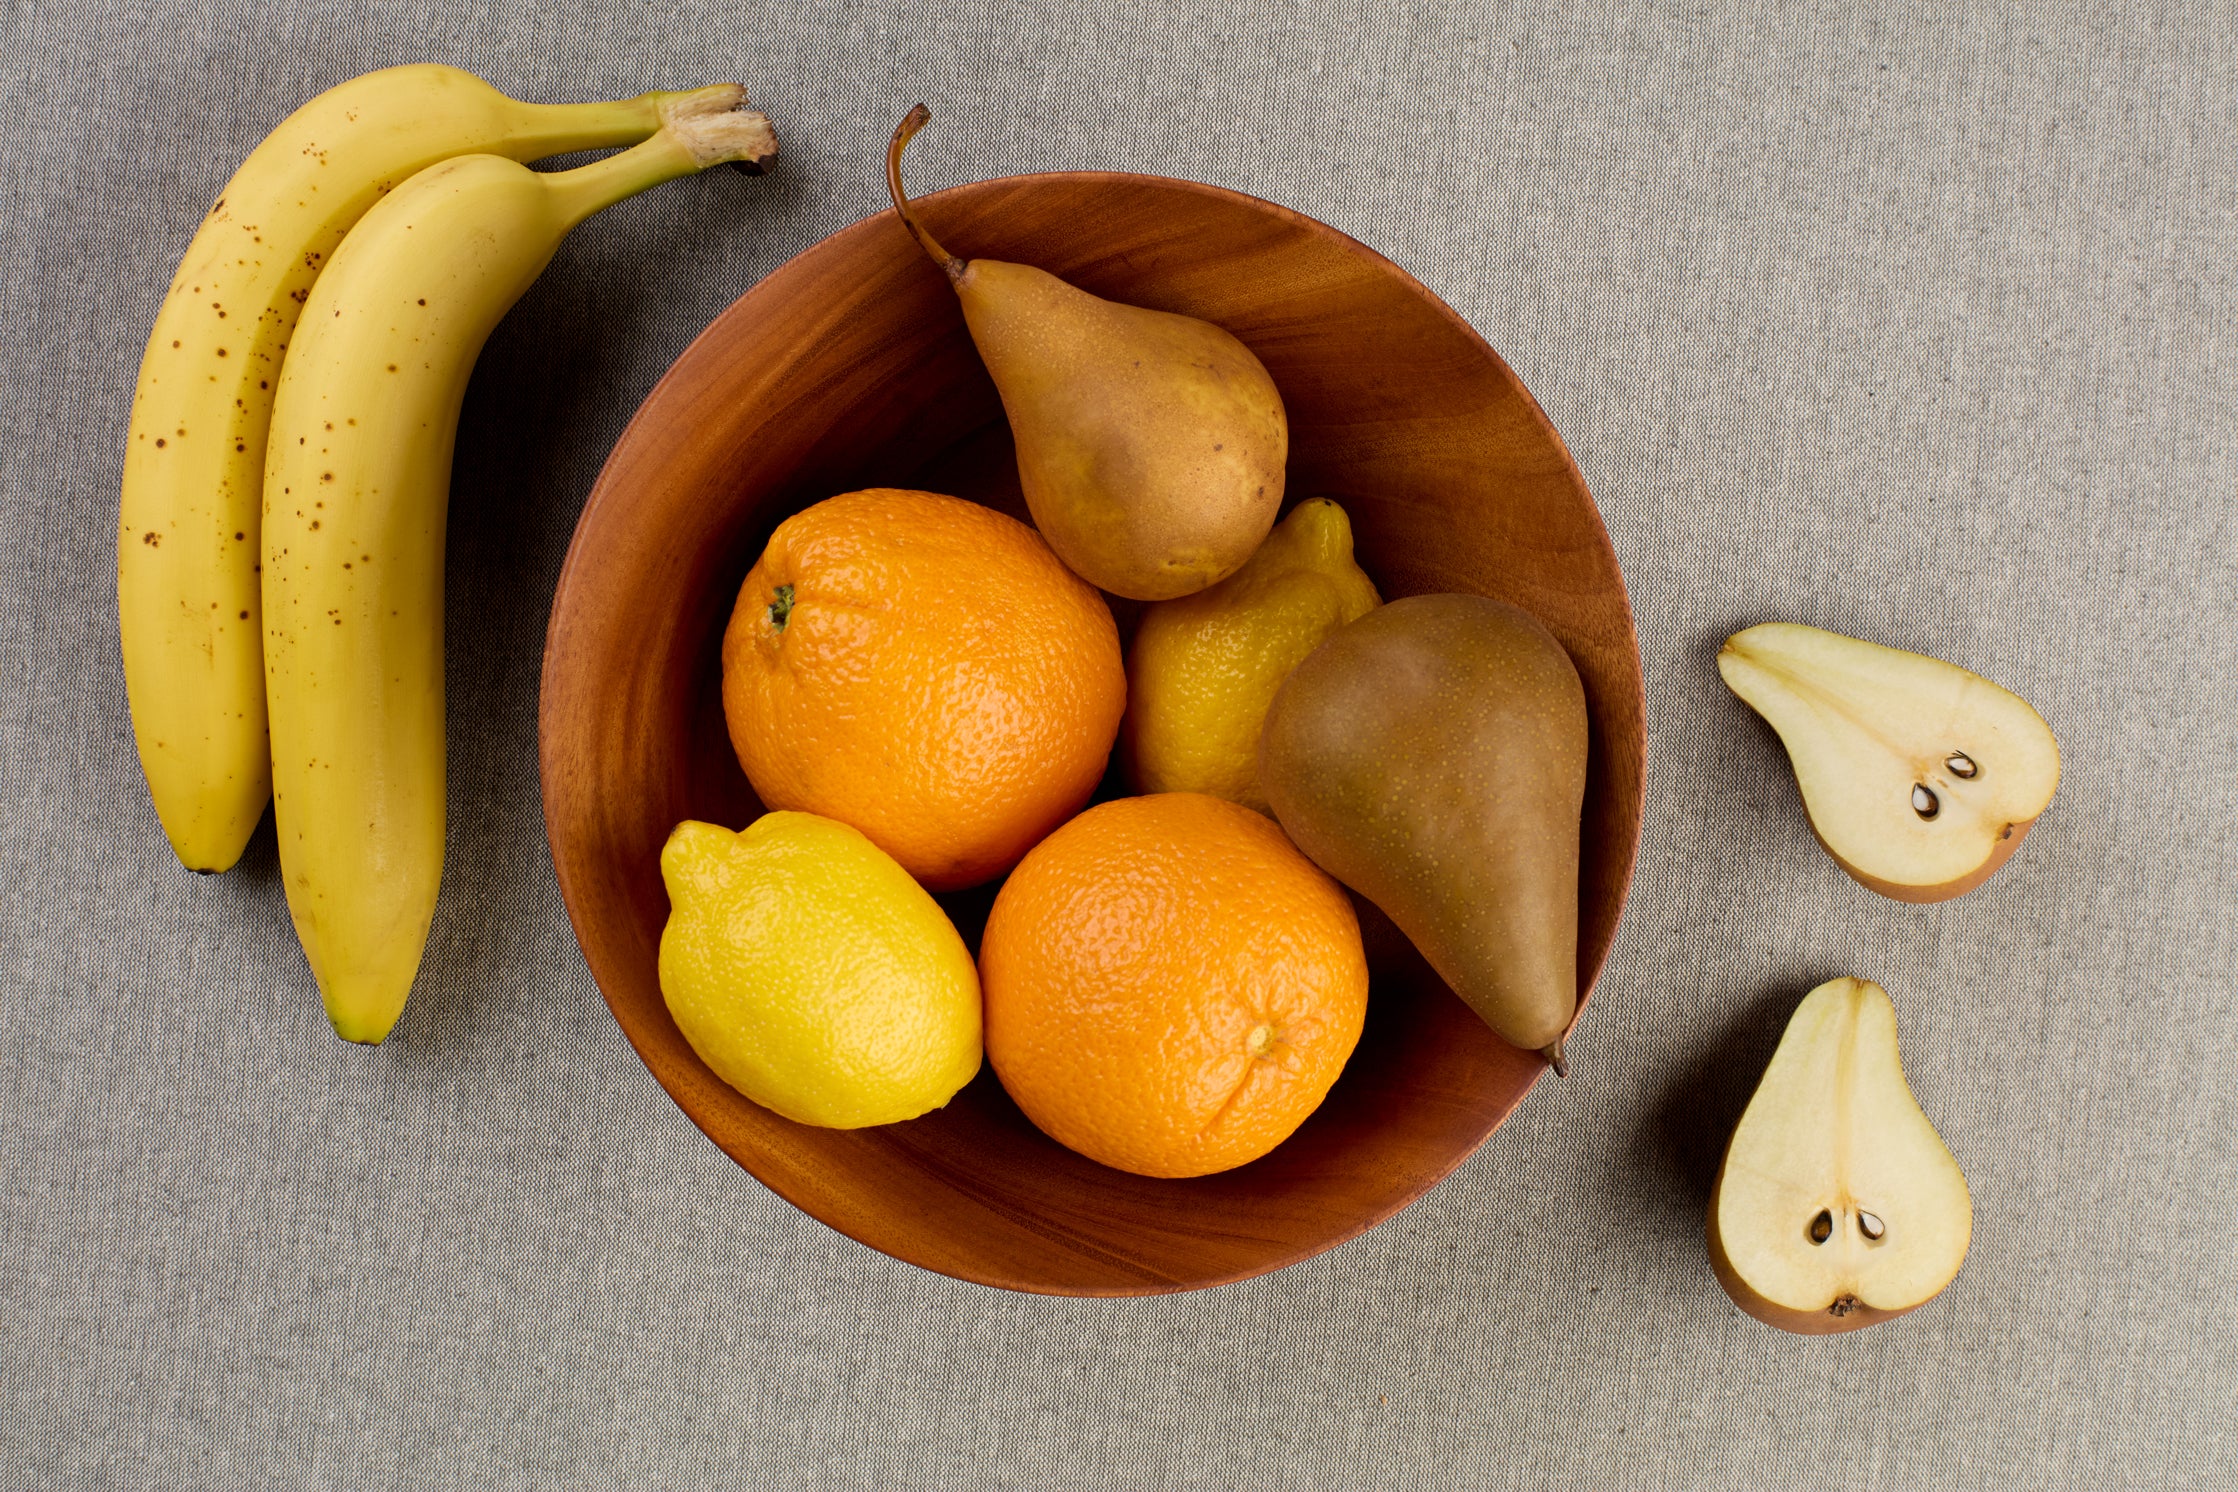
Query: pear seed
(1960,764)
(1822,1226)
(1871,1226)
(1924,801)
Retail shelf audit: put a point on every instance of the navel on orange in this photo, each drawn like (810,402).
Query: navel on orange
(927,671)
(1170,986)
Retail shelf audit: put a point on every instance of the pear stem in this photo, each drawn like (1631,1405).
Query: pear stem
(1552,1051)
(904,132)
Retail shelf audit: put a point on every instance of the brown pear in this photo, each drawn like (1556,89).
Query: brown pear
(1150,445)
(1431,756)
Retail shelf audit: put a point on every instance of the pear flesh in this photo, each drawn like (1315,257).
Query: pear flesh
(1151,445)
(1837,1205)
(1431,756)
(1919,777)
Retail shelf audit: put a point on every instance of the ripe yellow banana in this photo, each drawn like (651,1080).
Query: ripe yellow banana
(187,545)
(356,485)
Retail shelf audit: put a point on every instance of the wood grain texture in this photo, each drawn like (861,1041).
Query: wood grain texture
(850,367)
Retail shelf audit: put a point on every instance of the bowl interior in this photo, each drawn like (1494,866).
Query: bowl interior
(850,367)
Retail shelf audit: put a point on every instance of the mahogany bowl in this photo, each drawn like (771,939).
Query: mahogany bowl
(850,367)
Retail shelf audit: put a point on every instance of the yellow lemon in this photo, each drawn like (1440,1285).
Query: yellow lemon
(813,975)
(1204,668)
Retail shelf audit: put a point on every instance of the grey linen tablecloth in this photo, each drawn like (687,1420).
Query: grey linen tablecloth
(1912,322)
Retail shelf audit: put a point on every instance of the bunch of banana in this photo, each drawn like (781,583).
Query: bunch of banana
(328,470)
(194,462)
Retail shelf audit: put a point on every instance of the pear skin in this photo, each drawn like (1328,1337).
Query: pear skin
(1150,445)
(1431,756)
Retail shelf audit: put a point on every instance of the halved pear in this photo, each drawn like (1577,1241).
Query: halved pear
(1919,778)
(1838,1205)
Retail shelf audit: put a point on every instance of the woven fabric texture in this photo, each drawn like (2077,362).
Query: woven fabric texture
(1918,322)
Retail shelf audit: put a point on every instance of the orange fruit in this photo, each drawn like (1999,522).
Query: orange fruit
(1170,986)
(927,671)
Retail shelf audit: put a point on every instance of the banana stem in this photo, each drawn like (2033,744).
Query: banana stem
(904,132)
(715,98)
(702,128)
(559,129)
